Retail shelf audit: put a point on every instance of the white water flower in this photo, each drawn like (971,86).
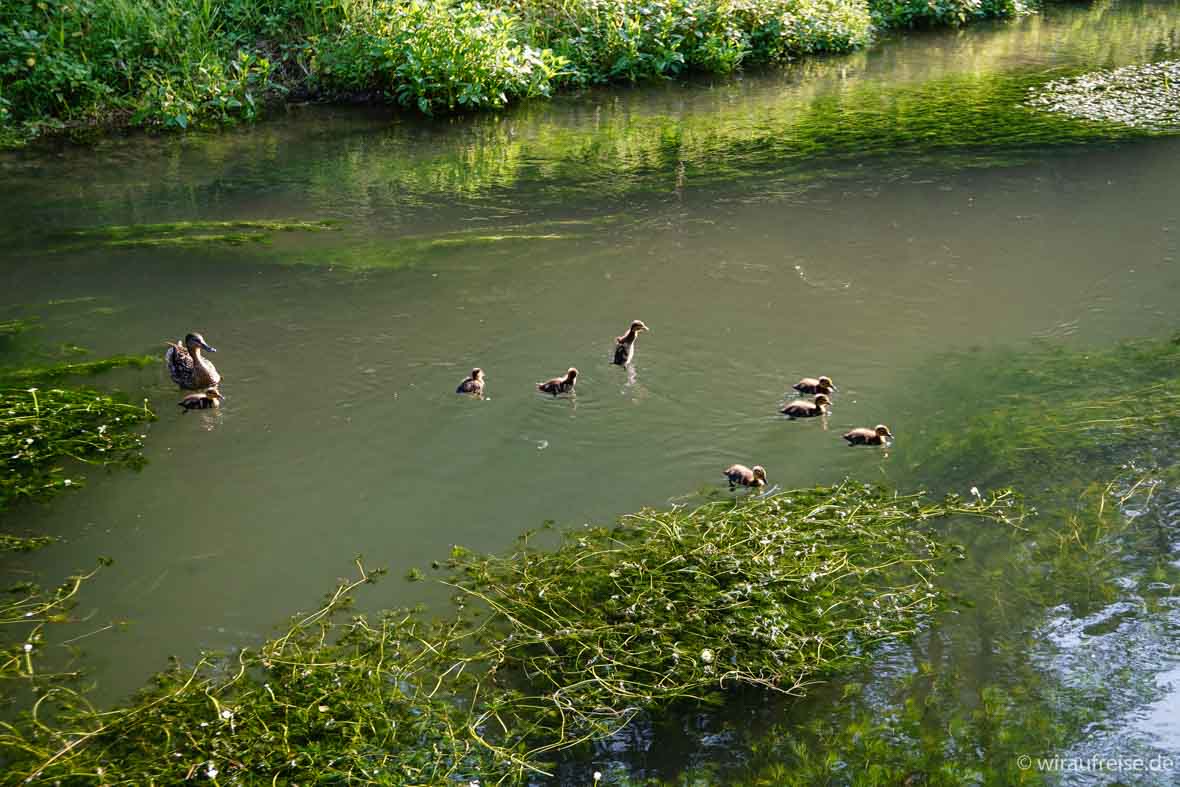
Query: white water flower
(227,714)
(67,482)
(28,647)
(706,656)
(210,771)
(598,776)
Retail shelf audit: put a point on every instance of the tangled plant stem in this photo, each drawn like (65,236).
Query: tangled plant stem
(546,648)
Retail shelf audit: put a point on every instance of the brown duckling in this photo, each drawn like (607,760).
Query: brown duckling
(187,366)
(745,476)
(560,385)
(815,385)
(204,400)
(473,384)
(801,408)
(625,344)
(879,435)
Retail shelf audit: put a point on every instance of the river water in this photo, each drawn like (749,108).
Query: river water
(853,217)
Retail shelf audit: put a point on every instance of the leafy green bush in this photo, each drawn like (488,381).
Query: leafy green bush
(928,13)
(432,55)
(172,63)
(156,63)
(609,40)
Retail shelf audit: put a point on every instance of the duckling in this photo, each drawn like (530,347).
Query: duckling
(188,367)
(473,384)
(815,385)
(865,436)
(625,344)
(211,397)
(801,408)
(746,476)
(560,385)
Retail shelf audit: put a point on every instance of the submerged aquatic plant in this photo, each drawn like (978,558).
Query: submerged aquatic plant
(42,427)
(45,424)
(545,648)
(1052,412)
(186,233)
(42,374)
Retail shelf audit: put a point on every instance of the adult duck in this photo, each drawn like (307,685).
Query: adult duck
(879,435)
(188,367)
(801,408)
(815,385)
(625,344)
(560,385)
(740,475)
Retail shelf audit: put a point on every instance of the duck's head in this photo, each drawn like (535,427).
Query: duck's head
(822,399)
(477,374)
(571,374)
(213,393)
(759,473)
(637,325)
(197,340)
(826,382)
(883,431)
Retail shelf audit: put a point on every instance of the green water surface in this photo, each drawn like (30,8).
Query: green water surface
(861,217)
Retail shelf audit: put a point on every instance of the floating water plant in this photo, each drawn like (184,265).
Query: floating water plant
(1142,96)
(545,648)
(42,427)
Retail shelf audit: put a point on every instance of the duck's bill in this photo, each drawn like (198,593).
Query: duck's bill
(207,348)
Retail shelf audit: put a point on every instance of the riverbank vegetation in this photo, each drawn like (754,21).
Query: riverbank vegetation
(545,648)
(69,65)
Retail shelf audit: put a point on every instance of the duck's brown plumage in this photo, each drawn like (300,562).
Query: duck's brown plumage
(473,384)
(202,401)
(801,408)
(878,435)
(815,385)
(188,367)
(559,385)
(745,476)
(625,344)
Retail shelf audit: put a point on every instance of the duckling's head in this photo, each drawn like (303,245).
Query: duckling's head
(637,325)
(477,373)
(826,382)
(822,399)
(759,472)
(197,340)
(883,431)
(571,374)
(213,393)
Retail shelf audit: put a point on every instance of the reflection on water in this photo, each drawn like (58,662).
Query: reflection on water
(734,217)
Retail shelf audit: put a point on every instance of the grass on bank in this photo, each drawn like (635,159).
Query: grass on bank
(544,649)
(176,63)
